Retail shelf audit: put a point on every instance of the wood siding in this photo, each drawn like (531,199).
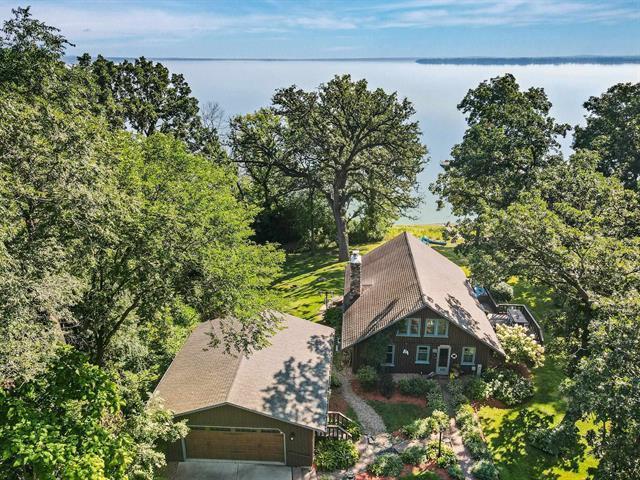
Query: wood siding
(299,450)
(457,338)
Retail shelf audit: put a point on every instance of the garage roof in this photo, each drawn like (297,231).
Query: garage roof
(404,276)
(287,380)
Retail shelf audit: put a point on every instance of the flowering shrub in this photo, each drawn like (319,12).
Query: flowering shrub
(519,346)
(502,292)
(477,389)
(420,428)
(447,455)
(509,387)
(485,470)
(415,455)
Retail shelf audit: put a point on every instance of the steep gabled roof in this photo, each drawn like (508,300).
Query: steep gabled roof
(287,380)
(404,276)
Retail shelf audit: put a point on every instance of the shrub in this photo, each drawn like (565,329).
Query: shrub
(456,389)
(502,292)
(476,389)
(509,387)
(415,455)
(485,470)
(474,442)
(435,401)
(387,465)
(447,455)
(465,416)
(368,377)
(555,441)
(417,387)
(455,472)
(333,318)
(519,347)
(355,429)
(332,454)
(420,428)
(385,385)
(335,381)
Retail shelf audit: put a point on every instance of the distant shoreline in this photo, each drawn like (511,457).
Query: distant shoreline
(556,60)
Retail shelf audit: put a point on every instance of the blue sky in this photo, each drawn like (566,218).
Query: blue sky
(333,29)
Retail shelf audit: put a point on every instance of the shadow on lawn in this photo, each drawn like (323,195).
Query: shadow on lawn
(510,442)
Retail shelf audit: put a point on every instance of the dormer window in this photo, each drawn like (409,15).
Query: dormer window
(409,327)
(436,327)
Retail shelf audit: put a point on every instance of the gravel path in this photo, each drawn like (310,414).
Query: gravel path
(371,422)
(454,438)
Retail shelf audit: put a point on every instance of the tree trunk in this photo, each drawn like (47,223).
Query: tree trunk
(342,237)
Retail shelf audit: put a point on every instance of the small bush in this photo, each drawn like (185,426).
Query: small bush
(333,318)
(435,401)
(455,472)
(336,383)
(476,389)
(334,454)
(415,455)
(368,377)
(485,470)
(420,428)
(465,416)
(355,429)
(385,385)
(502,292)
(387,465)
(417,387)
(509,387)
(447,455)
(456,389)
(474,442)
(555,441)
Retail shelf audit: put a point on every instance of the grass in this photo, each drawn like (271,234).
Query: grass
(397,415)
(308,276)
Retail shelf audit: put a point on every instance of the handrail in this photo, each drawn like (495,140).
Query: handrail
(533,323)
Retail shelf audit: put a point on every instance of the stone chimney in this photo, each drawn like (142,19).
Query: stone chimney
(355,281)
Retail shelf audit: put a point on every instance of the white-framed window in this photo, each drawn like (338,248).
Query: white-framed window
(422,354)
(409,327)
(390,356)
(468,356)
(436,327)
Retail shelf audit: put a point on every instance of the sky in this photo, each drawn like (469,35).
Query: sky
(343,29)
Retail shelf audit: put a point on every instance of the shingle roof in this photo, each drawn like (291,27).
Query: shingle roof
(403,276)
(287,380)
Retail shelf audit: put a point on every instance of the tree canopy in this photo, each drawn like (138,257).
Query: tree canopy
(613,130)
(356,147)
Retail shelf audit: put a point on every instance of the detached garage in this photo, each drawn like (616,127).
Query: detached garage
(265,407)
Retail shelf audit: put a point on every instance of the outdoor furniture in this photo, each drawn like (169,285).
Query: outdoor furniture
(517,317)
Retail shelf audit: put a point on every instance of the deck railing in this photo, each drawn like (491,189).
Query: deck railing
(337,424)
(533,323)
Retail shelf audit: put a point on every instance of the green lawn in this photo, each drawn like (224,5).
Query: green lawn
(397,415)
(307,276)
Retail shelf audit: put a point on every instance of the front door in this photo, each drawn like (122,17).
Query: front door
(442,365)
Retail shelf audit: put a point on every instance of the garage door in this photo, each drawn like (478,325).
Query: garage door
(242,444)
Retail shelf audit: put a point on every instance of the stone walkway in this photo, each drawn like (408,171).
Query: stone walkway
(371,422)
(454,438)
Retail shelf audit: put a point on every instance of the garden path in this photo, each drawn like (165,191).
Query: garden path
(454,438)
(371,422)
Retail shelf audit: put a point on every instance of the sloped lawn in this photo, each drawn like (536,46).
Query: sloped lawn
(397,415)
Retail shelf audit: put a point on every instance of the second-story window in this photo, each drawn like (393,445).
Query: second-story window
(436,327)
(409,327)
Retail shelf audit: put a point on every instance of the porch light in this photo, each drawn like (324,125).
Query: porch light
(292,435)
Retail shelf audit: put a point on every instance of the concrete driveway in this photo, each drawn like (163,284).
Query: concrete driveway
(210,470)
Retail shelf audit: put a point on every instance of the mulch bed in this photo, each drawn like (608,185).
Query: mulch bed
(397,397)
(489,402)
(408,469)
(337,403)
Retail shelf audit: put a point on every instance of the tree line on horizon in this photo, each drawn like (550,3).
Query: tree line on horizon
(127,217)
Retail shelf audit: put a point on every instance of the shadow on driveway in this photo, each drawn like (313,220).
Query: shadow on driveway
(230,471)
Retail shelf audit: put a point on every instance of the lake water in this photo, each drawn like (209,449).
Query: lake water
(435,90)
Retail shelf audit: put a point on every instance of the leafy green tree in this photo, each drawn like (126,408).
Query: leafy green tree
(146,97)
(613,130)
(510,140)
(352,145)
(576,232)
(606,389)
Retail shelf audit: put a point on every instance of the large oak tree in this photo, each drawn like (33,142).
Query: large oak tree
(354,145)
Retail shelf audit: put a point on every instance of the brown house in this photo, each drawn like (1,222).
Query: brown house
(423,305)
(265,407)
